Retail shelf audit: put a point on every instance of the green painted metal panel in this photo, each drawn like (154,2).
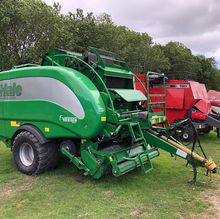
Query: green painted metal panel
(116,72)
(130,95)
(26,107)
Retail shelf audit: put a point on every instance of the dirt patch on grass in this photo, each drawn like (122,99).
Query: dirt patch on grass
(12,187)
(213,197)
(138,212)
(80,179)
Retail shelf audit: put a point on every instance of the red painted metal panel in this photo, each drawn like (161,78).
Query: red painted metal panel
(138,84)
(204,106)
(175,98)
(215,103)
(142,77)
(174,114)
(214,95)
(188,100)
(198,115)
(198,90)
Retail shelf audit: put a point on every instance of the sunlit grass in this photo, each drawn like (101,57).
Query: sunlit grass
(64,193)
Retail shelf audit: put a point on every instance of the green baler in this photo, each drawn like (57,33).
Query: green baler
(85,105)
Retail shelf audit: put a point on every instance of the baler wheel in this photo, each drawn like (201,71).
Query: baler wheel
(30,156)
(188,134)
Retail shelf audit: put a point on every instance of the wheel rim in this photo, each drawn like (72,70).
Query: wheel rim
(185,136)
(26,154)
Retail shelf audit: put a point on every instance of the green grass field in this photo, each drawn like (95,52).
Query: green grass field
(64,193)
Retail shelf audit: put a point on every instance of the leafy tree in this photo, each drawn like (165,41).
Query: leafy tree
(82,28)
(208,73)
(183,64)
(30,28)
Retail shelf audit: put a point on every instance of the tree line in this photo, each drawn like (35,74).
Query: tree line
(30,28)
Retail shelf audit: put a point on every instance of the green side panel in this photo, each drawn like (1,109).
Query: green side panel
(38,113)
(48,113)
(48,129)
(118,72)
(130,95)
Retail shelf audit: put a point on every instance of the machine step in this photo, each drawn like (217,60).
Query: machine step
(138,161)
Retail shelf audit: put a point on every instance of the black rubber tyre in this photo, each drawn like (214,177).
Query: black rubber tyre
(30,156)
(188,134)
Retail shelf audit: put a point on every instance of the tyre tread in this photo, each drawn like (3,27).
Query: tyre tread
(47,154)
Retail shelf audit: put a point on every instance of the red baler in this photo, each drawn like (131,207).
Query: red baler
(184,99)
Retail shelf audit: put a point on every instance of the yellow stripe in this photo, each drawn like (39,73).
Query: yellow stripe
(153,121)
(83,141)
(103,118)
(46,129)
(15,124)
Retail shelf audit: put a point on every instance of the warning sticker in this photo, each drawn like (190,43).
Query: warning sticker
(181,153)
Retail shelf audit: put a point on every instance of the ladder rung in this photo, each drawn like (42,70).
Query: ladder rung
(157,103)
(139,139)
(158,113)
(135,137)
(157,95)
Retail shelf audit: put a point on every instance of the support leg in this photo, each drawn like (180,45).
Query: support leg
(193,180)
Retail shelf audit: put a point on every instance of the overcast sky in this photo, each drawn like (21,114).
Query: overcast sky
(196,23)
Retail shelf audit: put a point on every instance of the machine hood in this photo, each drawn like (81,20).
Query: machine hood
(130,95)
